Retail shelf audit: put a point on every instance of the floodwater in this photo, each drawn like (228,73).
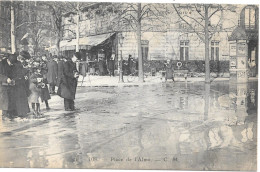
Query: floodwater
(187,126)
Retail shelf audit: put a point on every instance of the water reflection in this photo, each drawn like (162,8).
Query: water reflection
(188,126)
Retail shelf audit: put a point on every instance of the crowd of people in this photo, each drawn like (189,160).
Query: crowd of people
(27,81)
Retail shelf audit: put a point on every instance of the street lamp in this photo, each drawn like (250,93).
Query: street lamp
(120,41)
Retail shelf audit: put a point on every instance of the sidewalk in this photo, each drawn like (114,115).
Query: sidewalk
(107,81)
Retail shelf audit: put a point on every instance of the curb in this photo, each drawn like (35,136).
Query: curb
(148,83)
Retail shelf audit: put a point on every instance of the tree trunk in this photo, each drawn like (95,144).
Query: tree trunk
(207,67)
(13,47)
(77,29)
(120,58)
(138,33)
(58,44)
(206,99)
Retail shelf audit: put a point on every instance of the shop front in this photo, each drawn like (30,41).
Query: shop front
(96,50)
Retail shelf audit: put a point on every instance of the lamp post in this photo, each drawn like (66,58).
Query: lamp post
(120,41)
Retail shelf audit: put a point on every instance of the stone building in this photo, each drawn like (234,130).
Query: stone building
(161,40)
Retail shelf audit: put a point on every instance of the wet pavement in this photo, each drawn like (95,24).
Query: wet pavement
(188,126)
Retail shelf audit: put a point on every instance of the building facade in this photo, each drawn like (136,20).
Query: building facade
(172,39)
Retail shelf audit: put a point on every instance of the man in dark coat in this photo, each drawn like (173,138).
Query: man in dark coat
(68,85)
(52,74)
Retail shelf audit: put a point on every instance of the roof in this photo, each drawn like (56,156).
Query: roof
(87,41)
(238,34)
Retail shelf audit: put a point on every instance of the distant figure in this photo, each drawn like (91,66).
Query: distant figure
(84,66)
(101,67)
(132,66)
(52,74)
(169,70)
(111,65)
(128,63)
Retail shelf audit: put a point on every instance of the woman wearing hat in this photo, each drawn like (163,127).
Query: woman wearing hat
(17,96)
(21,92)
(68,85)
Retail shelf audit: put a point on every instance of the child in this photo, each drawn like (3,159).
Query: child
(45,95)
(36,85)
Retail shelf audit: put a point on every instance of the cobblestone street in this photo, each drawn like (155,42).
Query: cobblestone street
(181,125)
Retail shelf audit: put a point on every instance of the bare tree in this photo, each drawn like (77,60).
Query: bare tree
(134,16)
(198,21)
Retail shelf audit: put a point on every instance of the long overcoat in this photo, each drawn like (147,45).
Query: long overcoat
(52,72)
(19,94)
(68,85)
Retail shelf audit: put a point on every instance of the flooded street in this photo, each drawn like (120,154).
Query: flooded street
(187,126)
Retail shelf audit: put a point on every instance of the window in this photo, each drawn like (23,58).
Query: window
(250,18)
(145,49)
(214,50)
(184,50)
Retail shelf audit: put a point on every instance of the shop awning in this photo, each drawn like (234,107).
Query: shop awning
(85,41)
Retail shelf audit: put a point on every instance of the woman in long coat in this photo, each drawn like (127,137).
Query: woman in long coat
(68,85)
(13,98)
(20,94)
(169,70)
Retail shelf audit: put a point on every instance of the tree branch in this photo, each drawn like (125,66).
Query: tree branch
(214,12)
(203,17)
(194,20)
(188,23)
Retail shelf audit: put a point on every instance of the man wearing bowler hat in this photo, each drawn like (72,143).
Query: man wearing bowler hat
(68,83)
